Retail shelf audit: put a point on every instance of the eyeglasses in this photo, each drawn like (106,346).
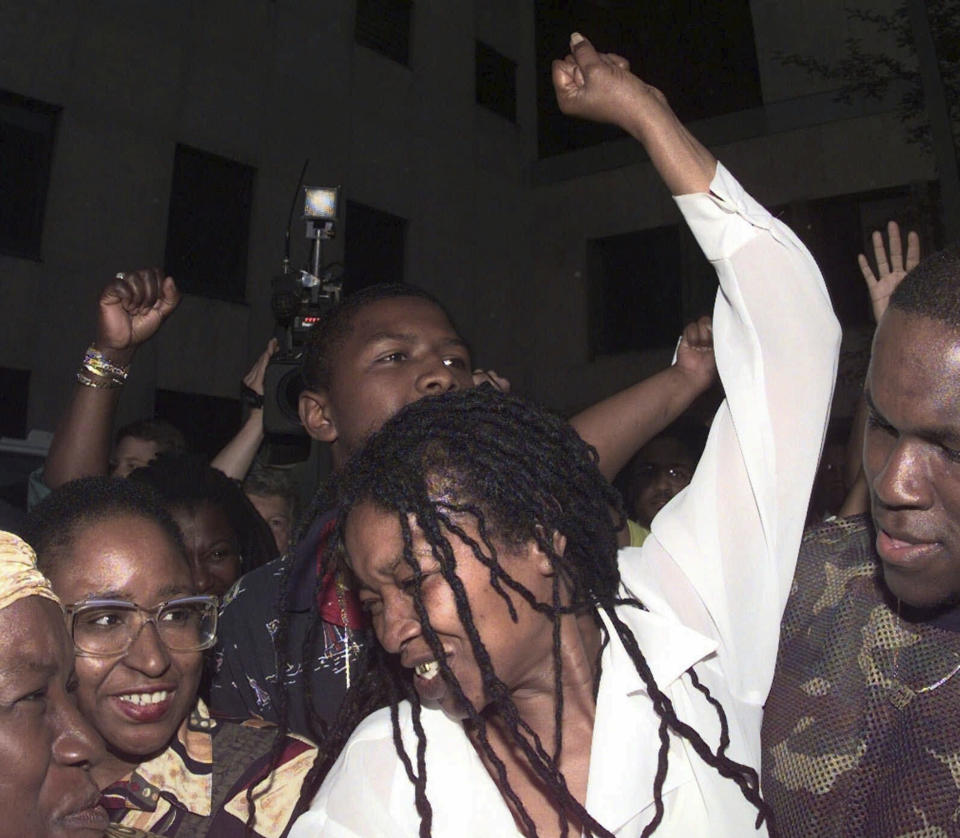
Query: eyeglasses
(107,627)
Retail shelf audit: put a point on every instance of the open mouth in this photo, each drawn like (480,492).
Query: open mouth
(145,699)
(145,707)
(428,670)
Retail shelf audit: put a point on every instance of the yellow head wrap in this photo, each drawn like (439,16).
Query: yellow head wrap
(19,576)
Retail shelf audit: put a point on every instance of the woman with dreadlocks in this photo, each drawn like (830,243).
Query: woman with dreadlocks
(533,683)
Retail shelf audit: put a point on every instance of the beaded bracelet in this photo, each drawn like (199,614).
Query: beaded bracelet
(96,363)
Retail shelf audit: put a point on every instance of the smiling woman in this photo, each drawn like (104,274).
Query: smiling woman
(46,748)
(140,628)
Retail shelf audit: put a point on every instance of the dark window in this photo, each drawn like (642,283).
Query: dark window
(700,53)
(207,422)
(837,228)
(384,26)
(635,290)
(209,224)
(28,129)
(496,82)
(14,391)
(373,246)
(15,465)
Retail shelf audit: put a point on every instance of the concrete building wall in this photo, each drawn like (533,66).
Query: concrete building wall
(500,236)
(268,84)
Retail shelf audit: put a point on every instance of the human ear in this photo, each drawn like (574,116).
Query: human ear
(544,562)
(316,415)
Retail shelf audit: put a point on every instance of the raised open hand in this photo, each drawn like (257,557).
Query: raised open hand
(695,353)
(889,272)
(133,305)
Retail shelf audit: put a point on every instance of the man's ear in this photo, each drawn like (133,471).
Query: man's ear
(316,416)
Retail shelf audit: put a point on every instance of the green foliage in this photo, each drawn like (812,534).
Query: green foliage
(864,72)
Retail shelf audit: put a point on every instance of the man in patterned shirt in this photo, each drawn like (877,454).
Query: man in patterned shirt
(860,728)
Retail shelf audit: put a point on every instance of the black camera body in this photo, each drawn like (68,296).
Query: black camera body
(282,385)
(298,302)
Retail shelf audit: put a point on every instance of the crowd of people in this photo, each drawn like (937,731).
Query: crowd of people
(492,621)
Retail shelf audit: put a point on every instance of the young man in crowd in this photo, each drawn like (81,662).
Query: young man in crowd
(139,443)
(860,728)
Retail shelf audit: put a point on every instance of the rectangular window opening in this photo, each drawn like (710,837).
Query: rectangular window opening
(384,26)
(496,82)
(635,290)
(28,130)
(208,230)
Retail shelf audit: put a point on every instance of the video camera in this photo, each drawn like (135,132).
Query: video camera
(298,301)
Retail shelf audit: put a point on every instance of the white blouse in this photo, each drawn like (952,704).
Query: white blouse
(714,576)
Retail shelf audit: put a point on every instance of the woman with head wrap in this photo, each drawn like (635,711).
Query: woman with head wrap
(46,747)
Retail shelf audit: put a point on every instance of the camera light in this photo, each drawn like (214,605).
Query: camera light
(321,203)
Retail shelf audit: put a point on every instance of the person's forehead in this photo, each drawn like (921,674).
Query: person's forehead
(204,512)
(665,451)
(205,521)
(126,554)
(373,539)
(32,637)
(916,361)
(271,504)
(134,446)
(402,316)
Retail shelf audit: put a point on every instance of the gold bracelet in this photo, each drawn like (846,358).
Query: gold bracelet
(96,363)
(103,384)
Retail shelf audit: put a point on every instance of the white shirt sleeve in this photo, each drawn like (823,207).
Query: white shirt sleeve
(722,553)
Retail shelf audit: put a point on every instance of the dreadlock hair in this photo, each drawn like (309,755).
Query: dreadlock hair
(188,481)
(335,325)
(523,475)
(56,520)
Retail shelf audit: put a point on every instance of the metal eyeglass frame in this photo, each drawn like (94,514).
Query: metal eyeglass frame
(147,615)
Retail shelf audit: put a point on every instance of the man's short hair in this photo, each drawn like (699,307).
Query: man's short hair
(932,289)
(269,481)
(167,436)
(335,325)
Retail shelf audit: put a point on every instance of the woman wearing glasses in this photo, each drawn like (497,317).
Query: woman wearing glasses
(139,630)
